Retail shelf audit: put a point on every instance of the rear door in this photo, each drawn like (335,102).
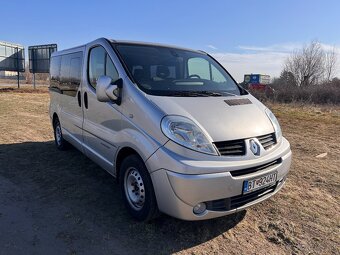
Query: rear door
(102,120)
(71,113)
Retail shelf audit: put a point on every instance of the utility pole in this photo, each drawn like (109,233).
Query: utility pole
(18,68)
(33,69)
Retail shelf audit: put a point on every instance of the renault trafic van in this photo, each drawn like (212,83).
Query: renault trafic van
(170,124)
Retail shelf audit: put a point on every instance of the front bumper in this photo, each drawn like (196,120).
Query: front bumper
(177,192)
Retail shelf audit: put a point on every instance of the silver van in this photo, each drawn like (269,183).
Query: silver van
(171,124)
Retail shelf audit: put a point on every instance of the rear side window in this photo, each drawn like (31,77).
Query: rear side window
(75,71)
(55,72)
(100,64)
(70,73)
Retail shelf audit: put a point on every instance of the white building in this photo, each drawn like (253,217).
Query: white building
(11,55)
(8,73)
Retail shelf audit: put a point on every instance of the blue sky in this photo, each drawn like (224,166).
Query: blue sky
(246,36)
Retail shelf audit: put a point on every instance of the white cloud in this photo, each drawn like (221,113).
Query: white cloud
(262,60)
(263,63)
(212,47)
(285,47)
(328,47)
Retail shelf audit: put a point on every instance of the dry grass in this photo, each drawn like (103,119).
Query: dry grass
(62,201)
(7,85)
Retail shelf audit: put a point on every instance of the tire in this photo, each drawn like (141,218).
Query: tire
(137,189)
(60,142)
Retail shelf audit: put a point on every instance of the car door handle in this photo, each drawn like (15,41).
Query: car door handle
(79,99)
(85,100)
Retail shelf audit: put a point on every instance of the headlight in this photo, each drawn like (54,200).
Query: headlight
(275,124)
(185,132)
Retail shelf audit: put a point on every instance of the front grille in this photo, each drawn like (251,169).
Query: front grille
(238,147)
(250,170)
(231,203)
(231,148)
(267,141)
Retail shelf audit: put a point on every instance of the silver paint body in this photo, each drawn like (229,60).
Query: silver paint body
(181,177)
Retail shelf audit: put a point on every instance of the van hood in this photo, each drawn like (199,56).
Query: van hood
(220,120)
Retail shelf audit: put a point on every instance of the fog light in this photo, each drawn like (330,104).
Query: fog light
(200,208)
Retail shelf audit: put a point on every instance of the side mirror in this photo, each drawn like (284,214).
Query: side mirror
(106,91)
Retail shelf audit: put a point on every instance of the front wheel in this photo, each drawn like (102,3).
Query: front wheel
(137,189)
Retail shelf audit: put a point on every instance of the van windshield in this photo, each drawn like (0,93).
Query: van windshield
(165,71)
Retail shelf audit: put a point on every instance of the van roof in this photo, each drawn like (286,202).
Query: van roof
(68,51)
(82,47)
(152,44)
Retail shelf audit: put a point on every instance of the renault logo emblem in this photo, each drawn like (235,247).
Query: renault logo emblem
(254,147)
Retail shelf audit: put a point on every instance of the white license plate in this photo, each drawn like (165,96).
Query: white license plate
(259,182)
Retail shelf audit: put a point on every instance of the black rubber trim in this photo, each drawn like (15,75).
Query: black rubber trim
(256,168)
(234,202)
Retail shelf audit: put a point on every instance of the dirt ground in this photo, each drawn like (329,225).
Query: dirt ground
(54,202)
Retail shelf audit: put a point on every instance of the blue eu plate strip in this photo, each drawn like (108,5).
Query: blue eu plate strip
(245,186)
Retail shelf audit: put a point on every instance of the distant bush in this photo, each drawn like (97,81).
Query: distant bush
(325,93)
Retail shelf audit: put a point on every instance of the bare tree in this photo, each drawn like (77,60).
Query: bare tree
(330,64)
(307,65)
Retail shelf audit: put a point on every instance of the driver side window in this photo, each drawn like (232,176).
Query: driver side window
(201,68)
(100,63)
(198,68)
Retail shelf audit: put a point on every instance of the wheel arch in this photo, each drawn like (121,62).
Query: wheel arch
(54,118)
(121,155)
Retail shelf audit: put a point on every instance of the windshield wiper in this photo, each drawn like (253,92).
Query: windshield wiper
(183,94)
(195,94)
(210,93)
(230,94)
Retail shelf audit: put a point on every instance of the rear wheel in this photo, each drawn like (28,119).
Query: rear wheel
(60,142)
(137,189)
